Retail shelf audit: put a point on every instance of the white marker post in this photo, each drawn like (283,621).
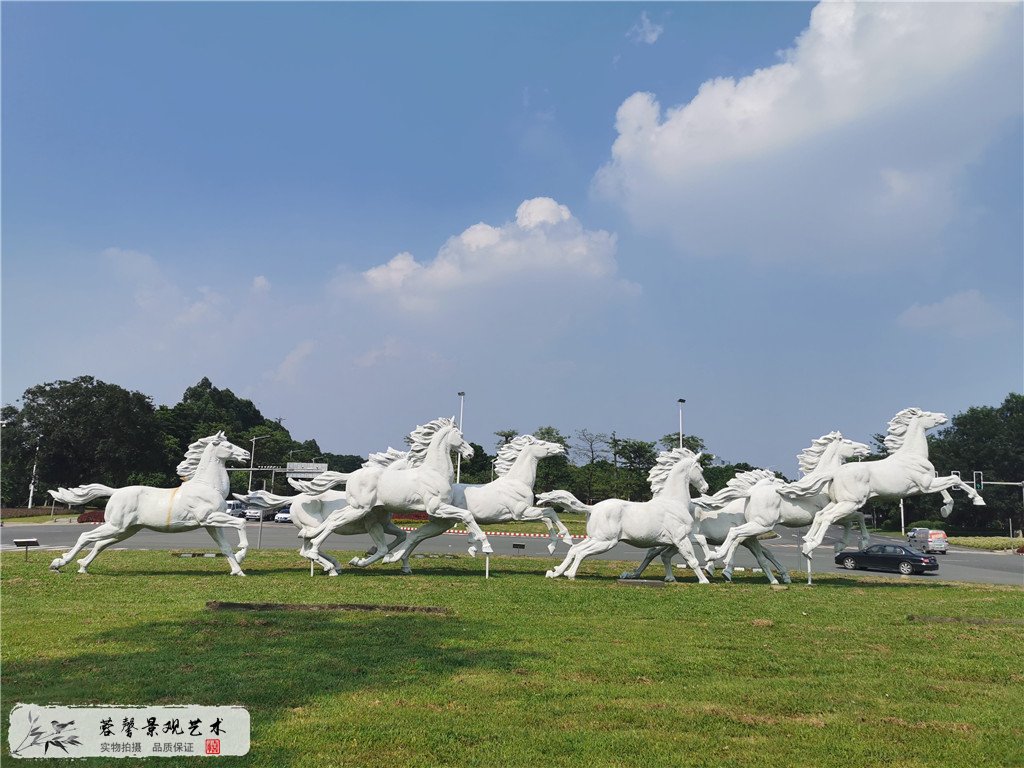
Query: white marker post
(487,566)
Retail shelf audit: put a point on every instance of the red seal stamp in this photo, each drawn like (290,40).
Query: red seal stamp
(213,746)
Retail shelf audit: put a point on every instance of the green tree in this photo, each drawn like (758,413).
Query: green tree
(554,472)
(86,430)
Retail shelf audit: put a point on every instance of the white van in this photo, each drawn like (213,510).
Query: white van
(928,540)
(236,508)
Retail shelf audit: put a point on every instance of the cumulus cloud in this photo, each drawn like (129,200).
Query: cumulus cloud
(963,315)
(850,147)
(544,241)
(645,31)
(260,285)
(157,294)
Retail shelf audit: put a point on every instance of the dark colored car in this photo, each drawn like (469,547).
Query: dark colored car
(888,557)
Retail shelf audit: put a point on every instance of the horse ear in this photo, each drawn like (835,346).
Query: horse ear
(697,457)
(221,436)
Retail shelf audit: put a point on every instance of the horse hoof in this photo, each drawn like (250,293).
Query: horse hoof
(355,561)
(727,575)
(472,551)
(82,569)
(627,575)
(56,565)
(240,556)
(550,575)
(978,501)
(487,550)
(786,579)
(551,548)
(406,572)
(332,572)
(670,579)
(807,550)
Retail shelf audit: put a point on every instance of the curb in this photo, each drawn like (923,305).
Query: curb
(498,533)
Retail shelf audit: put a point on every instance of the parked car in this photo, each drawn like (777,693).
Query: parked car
(236,509)
(888,557)
(928,540)
(256,514)
(283,517)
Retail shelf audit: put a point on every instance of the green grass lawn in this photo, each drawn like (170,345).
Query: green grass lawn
(528,671)
(996,543)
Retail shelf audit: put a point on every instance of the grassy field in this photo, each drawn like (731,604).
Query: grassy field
(527,671)
(36,519)
(995,543)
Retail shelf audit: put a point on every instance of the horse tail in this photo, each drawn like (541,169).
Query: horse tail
(322,482)
(811,485)
(82,494)
(264,499)
(563,499)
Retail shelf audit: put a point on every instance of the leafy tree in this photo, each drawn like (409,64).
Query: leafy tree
(506,436)
(694,443)
(86,430)
(590,448)
(479,468)
(554,471)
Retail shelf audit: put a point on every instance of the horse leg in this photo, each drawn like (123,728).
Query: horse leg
(775,561)
(376,532)
(652,553)
(217,533)
(100,546)
(393,530)
(939,484)
(555,527)
(947,497)
(826,517)
(224,520)
(99,533)
(466,518)
(739,534)
(334,521)
(865,537)
(759,554)
(596,547)
(686,550)
(570,558)
(433,527)
(666,558)
(847,527)
(709,562)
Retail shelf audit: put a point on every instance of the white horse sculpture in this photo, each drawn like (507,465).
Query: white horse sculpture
(666,519)
(420,480)
(751,504)
(199,502)
(509,497)
(310,510)
(906,471)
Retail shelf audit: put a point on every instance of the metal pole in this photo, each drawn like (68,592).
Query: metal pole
(681,401)
(487,565)
(458,466)
(259,539)
(903,527)
(809,561)
(32,482)
(252,459)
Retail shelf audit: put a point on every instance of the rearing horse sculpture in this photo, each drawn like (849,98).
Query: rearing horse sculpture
(906,471)
(199,502)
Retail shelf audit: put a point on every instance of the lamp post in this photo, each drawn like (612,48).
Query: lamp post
(32,482)
(458,465)
(681,401)
(252,458)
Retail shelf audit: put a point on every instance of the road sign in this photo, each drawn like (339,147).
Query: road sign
(304,470)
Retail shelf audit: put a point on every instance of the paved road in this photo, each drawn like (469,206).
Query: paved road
(958,565)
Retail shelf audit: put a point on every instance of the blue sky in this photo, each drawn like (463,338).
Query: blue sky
(799,218)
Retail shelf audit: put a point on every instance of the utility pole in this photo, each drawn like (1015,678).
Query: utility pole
(681,401)
(32,482)
(458,466)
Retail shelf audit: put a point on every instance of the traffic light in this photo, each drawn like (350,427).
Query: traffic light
(979,481)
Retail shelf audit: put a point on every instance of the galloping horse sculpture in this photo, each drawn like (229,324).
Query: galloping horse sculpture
(906,471)
(310,510)
(509,497)
(667,519)
(199,502)
(418,481)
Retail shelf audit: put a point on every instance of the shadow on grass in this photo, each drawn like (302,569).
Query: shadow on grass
(274,663)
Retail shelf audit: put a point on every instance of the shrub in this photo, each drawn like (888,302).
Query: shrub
(92,516)
(891,524)
(936,524)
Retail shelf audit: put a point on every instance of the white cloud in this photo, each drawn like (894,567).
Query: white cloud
(545,241)
(849,148)
(389,349)
(963,315)
(288,369)
(260,285)
(645,31)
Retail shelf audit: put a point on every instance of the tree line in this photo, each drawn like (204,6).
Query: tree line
(86,430)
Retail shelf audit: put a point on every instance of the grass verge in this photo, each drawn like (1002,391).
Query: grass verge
(528,671)
(994,543)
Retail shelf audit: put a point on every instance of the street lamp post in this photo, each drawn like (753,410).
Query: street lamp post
(32,482)
(681,401)
(458,465)
(252,458)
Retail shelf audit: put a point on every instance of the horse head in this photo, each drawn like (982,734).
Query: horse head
(225,450)
(849,449)
(695,475)
(454,440)
(544,448)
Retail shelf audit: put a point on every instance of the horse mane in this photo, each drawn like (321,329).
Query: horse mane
(419,439)
(811,456)
(187,468)
(737,488)
(898,428)
(667,460)
(386,459)
(509,452)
